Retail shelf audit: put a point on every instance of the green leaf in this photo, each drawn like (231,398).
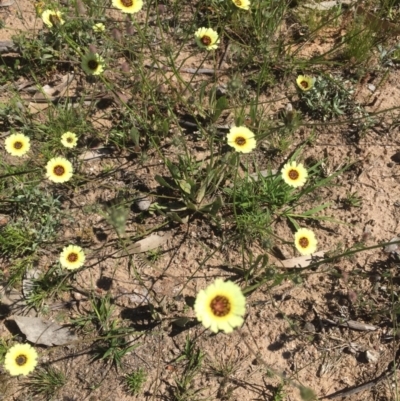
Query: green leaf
(134,134)
(185,186)
(201,193)
(221,105)
(162,182)
(315,210)
(307,394)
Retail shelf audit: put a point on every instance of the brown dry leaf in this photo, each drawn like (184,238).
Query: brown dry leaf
(6,3)
(153,241)
(42,99)
(39,331)
(302,261)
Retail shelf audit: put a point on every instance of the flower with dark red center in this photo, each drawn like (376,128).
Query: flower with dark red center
(243,4)
(207,38)
(305,83)
(17,144)
(294,174)
(72,257)
(221,306)
(20,359)
(241,139)
(59,170)
(305,241)
(128,6)
(52,18)
(69,139)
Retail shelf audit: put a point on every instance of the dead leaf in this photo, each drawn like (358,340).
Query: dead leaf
(39,331)
(153,241)
(95,153)
(43,98)
(302,261)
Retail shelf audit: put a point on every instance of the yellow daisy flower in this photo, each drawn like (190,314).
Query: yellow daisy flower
(20,359)
(72,257)
(92,64)
(243,4)
(221,306)
(241,139)
(39,7)
(207,38)
(17,144)
(305,83)
(128,6)
(305,241)
(69,139)
(59,170)
(294,174)
(52,18)
(99,27)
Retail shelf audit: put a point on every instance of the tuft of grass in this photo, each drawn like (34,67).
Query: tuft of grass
(184,387)
(134,381)
(46,382)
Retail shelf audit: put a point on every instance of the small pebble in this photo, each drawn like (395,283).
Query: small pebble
(77,296)
(309,327)
(371,356)
(143,203)
(393,247)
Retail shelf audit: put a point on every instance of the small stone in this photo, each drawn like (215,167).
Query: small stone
(116,34)
(392,247)
(371,87)
(143,202)
(93,49)
(130,29)
(371,356)
(309,327)
(77,296)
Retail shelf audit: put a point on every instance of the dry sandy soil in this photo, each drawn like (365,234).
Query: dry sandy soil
(288,326)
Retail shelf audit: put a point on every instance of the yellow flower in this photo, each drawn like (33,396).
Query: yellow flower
(92,64)
(52,18)
(221,306)
(20,359)
(241,139)
(304,82)
(69,139)
(99,27)
(243,4)
(305,241)
(59,169)
(72,257)
(128,6)
(39,7)
(17,144)
(294,174)
(207,38)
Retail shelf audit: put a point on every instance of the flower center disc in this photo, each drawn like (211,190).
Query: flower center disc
(304,84)
(18,145)
(93,64)
(72,257)
(21,360)
(240,141)
(304,242)
(59,170)
(238,2)
(69,140)
(54,19)
(206,40)
(127,3)
(220,306)
(293,175)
